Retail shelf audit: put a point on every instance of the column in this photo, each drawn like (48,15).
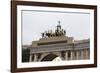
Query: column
(82,54)
(77,55)
(71,58)
(87,54)
(66,55)
(30,58)
(35,57)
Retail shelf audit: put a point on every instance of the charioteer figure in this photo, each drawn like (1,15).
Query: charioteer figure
(58,32)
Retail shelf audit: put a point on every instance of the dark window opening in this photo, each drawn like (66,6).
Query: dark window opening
(75,53)
(69,54)
(33,57)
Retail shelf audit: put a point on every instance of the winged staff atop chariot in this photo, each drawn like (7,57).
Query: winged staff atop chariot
(58,32)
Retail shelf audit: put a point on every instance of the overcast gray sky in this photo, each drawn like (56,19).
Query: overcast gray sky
(77,25)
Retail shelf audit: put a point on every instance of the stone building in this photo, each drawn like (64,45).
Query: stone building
(25,53)
(57,44)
